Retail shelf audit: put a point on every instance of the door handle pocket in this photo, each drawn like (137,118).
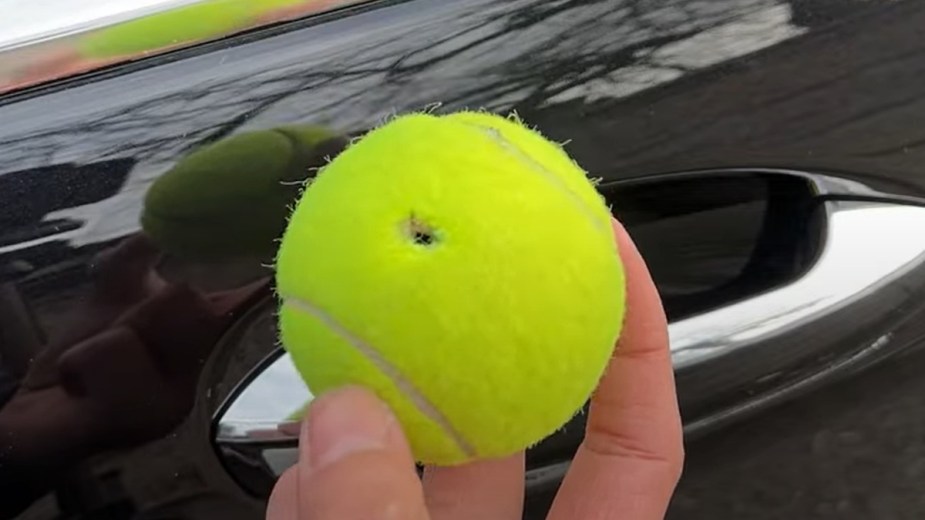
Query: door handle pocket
(869,277)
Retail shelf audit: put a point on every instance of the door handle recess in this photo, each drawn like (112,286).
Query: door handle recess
(868,279)
(842,314)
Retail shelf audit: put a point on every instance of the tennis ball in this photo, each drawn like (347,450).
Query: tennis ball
(464,269)
(232,198)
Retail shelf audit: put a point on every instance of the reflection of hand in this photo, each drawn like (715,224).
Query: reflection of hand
(130,381)
(355,461)
(123,276)
(123,373)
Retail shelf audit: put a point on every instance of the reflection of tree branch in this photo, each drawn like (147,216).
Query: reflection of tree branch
(399,67)
(540,12)
(570,41)
(399,64)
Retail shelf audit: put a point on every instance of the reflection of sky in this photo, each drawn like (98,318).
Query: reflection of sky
(273,396)
(740,36)
(348,78)
(25,20)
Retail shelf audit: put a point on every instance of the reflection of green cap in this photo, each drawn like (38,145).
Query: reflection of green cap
(191,23)
(233,197)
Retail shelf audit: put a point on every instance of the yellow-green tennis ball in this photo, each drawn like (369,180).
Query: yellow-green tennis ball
(233,197)
(464,269)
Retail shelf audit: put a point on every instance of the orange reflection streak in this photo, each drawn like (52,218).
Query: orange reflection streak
(50,61)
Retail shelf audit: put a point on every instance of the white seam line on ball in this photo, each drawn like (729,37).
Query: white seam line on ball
(372,355)
(496,136)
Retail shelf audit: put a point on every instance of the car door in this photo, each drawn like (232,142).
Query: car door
(763,154)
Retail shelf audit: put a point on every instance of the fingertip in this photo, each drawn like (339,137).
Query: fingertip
(626,248)
(346,421)
(354,460)
(645,323)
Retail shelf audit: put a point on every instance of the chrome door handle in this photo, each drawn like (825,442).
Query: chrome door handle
(729,362)
(840,313)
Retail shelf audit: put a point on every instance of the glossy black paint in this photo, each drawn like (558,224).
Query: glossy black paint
(119,426)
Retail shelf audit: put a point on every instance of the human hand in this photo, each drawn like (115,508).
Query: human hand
(355,463)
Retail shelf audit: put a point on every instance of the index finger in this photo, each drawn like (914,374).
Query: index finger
(631,457)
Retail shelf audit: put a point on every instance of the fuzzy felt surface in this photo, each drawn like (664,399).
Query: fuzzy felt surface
(463,268)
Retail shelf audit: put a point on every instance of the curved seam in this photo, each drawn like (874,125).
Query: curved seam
(405,387)
(550,176)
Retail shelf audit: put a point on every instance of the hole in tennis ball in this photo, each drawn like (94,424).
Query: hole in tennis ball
(420,232)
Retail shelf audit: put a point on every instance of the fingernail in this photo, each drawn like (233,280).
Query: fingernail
(344,422)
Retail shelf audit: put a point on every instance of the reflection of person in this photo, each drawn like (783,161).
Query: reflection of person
(354,461)
(123,373)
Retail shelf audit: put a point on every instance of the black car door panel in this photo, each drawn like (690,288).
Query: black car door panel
(765,155)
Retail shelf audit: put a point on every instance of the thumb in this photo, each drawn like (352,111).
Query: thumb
(355,463)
